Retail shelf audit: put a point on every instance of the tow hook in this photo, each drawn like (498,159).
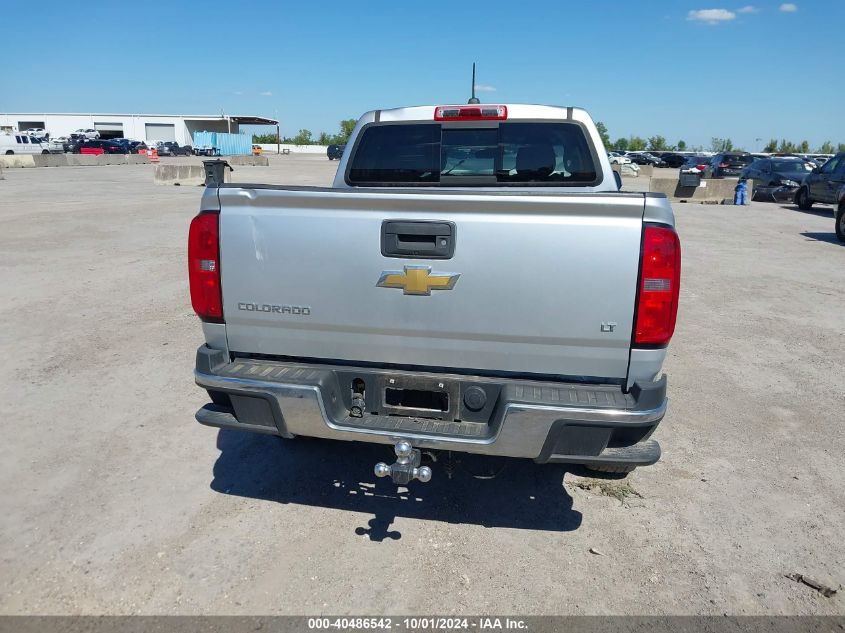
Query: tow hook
(407,466)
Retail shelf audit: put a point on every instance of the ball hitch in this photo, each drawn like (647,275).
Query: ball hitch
(407,467)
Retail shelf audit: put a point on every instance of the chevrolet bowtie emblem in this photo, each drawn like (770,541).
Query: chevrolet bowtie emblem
(417,280)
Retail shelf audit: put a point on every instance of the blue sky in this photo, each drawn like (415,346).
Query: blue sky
(683,69)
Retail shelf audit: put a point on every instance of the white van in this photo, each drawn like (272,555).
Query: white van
(20,144)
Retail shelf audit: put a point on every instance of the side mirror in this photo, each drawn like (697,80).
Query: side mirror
(618,179)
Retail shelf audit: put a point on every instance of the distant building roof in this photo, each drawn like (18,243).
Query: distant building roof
(246,120)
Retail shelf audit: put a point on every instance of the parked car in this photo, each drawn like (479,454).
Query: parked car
(256,150)
(776,178)
(131,146)
(823,184)
(840,216)
(74,144)
(54,146)
(696,164)
(728,164)
(644,158)
(618,158)
(123,142)
(87,133)
(670,159)
(172,148)
(98,147)
(206,150)
(37,132)
(21,144)
(334,152)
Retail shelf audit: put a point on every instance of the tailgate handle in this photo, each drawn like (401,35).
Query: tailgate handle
(423,239)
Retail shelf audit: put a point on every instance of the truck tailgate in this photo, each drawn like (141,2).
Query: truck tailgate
(546,281)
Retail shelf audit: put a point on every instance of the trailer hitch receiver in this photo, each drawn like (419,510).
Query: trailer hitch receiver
(407,467)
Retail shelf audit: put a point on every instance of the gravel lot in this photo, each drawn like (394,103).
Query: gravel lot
(115,501)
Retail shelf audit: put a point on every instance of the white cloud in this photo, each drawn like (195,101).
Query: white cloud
(788,7)
(748,9)
(485,88)
(711,16)
(266,93)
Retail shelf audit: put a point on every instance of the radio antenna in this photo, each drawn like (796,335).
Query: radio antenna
(473,98)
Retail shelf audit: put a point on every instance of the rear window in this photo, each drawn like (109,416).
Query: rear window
(790,165)
(738,159)
(554,154)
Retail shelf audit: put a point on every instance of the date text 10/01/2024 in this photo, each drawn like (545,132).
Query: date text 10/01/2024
(416,623)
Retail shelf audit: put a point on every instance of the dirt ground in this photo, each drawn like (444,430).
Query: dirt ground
(114,500)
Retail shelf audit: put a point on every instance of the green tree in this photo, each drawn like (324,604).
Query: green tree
(721,144)
(324,139)
(346,128)
(605,137)
(804,148)
(841,147)
(263,138)
(771,147)
(657,143)
(636,144)
(786,147)
(826,148)
(682,145)
(303,137)
(621,144)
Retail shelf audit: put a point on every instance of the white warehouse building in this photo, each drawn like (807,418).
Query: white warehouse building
(140,127)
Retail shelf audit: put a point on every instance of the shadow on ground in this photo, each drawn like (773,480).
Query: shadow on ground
(823,212)
(339,475)
(823,237)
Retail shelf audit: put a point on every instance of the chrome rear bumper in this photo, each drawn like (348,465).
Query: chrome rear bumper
(544,421)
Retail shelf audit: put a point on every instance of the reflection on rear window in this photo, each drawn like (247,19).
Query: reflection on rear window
(429,154)
(790,165)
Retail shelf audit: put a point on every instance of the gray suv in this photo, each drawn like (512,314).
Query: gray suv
(823,184)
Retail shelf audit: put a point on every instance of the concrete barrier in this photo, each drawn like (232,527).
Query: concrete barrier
(714,190)
(270,148)
(183,175)
(253,161)
(50,160)
(77,160)
(647,171)
(72,160)
(626,170)
(17,160)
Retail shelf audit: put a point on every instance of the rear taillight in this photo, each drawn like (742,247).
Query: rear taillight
(660,282)
(471,113)
(204,267)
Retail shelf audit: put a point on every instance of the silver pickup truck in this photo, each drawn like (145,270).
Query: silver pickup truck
(473,281)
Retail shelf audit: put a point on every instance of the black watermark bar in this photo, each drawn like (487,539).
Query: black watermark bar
(516,624)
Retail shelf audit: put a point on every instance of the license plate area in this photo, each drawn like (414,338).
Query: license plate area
(419,397)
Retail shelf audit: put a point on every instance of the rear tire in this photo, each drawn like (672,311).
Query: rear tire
(9,152)
(611,468)
(840,222)
(44,151)
(803,200)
